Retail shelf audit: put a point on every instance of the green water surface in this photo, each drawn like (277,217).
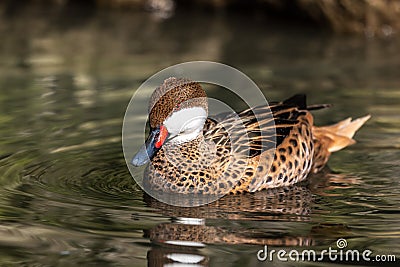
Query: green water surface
(67,197)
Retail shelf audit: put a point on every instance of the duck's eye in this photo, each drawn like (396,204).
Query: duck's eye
(177,106)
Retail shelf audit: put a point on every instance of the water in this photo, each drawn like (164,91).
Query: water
(67,198)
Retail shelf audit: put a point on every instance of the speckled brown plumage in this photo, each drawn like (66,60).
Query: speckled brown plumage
(214,164)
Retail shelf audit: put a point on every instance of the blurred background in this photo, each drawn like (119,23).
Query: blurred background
(68,69)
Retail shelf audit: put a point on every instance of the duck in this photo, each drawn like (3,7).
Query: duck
(263,147)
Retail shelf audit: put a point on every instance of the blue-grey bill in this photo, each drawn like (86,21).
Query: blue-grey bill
(141,157)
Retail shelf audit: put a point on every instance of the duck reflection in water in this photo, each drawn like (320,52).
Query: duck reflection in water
(278,217)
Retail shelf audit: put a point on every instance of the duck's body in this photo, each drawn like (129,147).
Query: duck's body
(206,158)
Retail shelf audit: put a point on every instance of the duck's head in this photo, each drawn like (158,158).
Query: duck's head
(177,112)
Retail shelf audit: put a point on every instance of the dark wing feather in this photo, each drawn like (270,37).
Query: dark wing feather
(281,116)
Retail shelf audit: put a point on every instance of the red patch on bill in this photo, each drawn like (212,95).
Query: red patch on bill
(162,136)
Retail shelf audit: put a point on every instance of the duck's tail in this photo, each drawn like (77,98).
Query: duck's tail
(332,138)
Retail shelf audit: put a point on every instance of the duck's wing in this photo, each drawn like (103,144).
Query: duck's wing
(276,121)
(268,126)
(285,114)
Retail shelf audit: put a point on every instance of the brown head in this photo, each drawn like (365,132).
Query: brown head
(174,94)
(177,112)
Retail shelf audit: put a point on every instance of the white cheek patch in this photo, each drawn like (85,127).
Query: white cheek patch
(186,120)
(193,124)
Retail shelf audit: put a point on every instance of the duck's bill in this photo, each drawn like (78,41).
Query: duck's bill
(141,157)
(153,143)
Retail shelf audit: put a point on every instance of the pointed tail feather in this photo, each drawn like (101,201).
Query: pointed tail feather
(328,139)
(340,135)
(318,106)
